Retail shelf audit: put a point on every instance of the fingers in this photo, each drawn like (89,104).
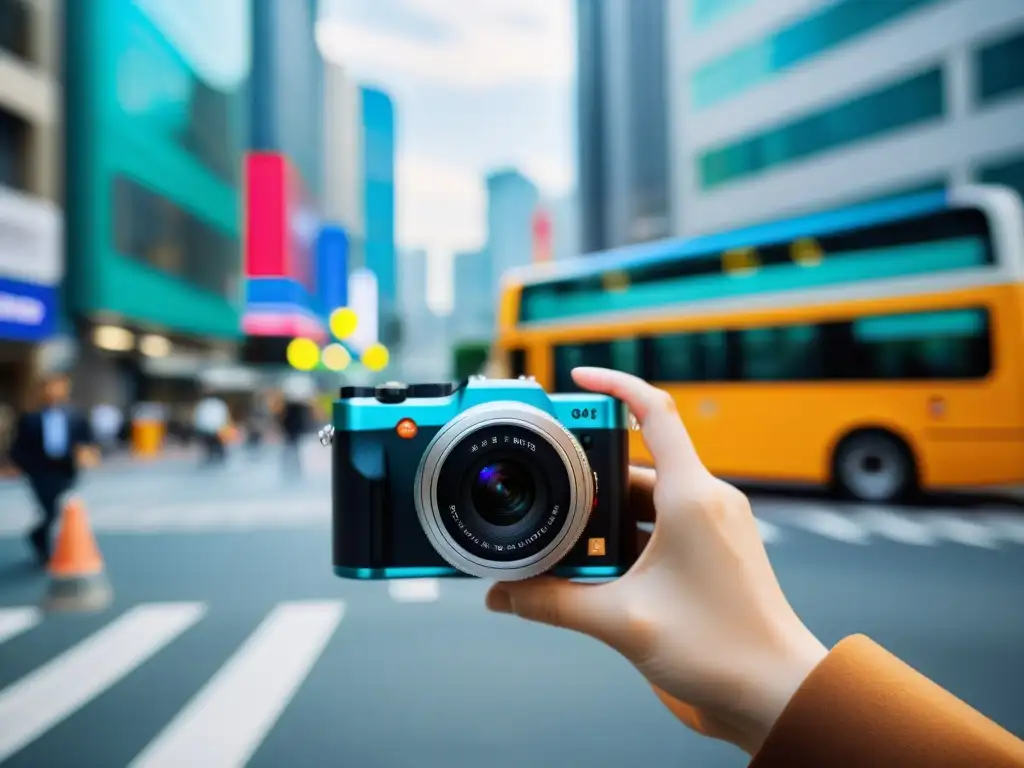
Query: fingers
(662,429)
(559,603)
(641,493)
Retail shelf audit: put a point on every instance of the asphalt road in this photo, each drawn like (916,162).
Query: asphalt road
(230,643)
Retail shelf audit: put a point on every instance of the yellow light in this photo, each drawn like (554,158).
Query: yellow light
(376,357)
(343,323)
(335,357)
(303,354)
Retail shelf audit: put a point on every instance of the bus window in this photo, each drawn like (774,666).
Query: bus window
(620,355)
(689,357)
(933,345)
(790,353)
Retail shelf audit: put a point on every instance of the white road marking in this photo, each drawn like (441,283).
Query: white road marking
(14,621)
(414,590)
(961,531)
(229,718)
(896,526)
(41,699)
(832,525)
(1009,527)
(770,534)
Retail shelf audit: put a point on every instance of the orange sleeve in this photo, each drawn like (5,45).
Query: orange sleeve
(864,708)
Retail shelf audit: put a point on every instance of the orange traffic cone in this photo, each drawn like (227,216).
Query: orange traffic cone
(78,581)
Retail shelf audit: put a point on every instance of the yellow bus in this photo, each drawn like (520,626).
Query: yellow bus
(877,349)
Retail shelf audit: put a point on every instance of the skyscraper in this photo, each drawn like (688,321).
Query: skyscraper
(424,346)
(378,140)
(512,200)
(473,313)
(622,121)
(343,157)
(787,109)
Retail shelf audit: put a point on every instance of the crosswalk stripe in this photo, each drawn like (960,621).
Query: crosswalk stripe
(41,699)
(414,590)
(1009,527)
(770,534)
(833,525)
(896,527)
(229,718)
(961,531)
(14,621)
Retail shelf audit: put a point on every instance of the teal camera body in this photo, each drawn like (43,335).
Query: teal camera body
(491,478)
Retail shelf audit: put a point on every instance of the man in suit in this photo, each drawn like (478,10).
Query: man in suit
(49,447)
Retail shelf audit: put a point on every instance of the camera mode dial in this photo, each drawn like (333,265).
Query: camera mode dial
(391,393)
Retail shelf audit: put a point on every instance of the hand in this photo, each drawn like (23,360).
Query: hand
(701,614)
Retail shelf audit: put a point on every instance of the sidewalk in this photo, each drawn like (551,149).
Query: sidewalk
(168,457)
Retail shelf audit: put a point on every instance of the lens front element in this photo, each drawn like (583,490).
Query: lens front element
(504,491)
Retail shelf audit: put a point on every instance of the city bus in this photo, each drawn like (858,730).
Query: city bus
(878,350)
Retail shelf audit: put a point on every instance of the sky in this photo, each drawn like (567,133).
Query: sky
(477,85)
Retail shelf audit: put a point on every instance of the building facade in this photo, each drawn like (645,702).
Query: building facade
(288,87)
(473,306)
(343,157)
(781,107)
(157,93)
(31,258)
(622,121)
(512,201)
(378,145)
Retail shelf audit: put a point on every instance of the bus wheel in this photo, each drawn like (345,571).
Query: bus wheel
(874,466)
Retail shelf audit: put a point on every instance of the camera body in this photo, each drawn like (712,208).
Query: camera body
(491,478)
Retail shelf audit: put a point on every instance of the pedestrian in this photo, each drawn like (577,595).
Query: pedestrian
(50,446)
(258,421)
(293,419)
(106,420)
(211,418)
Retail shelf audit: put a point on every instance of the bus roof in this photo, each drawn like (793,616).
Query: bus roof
(813,225)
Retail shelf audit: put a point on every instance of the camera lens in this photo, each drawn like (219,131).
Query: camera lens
(503,492)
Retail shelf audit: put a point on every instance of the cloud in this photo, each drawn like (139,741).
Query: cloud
(440,207)
(490,43)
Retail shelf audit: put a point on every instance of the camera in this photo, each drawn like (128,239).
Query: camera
(489,478)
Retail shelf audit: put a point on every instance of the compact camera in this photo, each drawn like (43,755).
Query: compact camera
(490,478)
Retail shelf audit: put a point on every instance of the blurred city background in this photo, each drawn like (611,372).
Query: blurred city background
(512,187)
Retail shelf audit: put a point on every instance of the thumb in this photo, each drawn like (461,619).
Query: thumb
(586,608)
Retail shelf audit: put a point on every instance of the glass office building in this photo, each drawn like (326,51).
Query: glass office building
(780,109)
(379,200)
(156,93)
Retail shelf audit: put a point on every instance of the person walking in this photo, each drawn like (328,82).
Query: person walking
(210,419)
(51,445)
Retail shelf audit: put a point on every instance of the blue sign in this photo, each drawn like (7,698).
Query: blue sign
(28,312)
(332,268)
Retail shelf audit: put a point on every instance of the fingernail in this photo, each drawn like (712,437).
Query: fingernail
(499,601)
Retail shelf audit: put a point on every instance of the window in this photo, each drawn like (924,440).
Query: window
(15,27)
(790,353)
(621,355)
(153,230)
(999,69)
(13,147)
(758,62)
(867,116)
(689,357)
(1009,173)
(849,252)
(935,345)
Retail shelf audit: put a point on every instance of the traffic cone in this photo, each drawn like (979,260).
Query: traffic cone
(78,581)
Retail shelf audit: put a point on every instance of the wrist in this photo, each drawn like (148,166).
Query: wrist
(778,676)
